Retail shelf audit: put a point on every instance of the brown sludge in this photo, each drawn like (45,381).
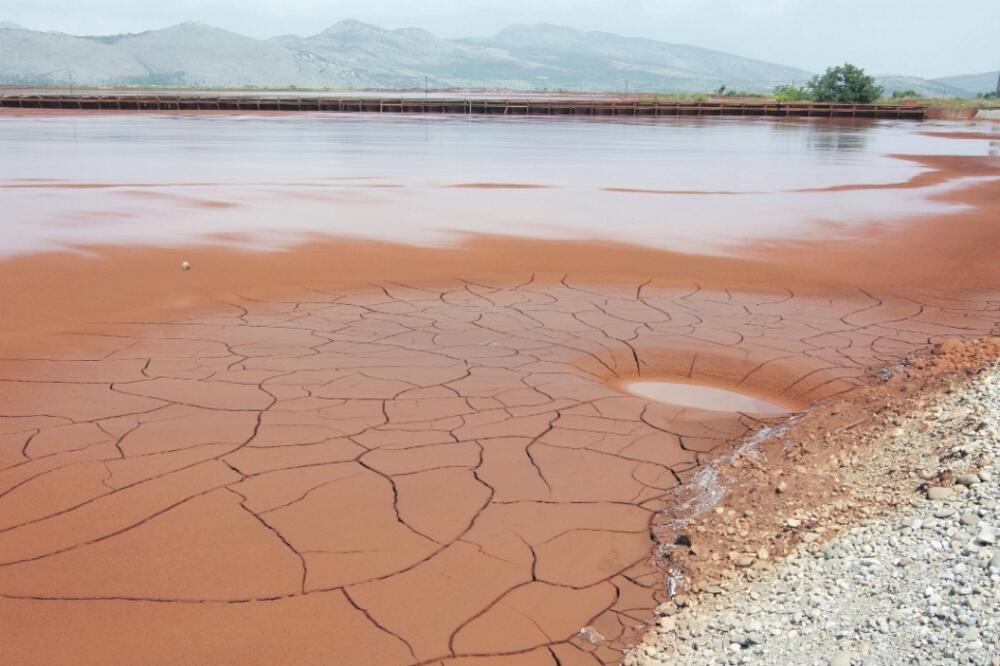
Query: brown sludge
(262,460)
(822,473)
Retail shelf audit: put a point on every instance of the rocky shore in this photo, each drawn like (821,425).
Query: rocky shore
(876,546)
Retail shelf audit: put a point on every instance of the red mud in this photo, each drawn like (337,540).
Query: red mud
(829,465)
(499,186)
(989,136)
(266,460)
(943,169)
(635,190)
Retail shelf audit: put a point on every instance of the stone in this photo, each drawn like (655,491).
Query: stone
(185,265)
(841,659)
(969,519)
(968,479)
(940,493)
(666,608)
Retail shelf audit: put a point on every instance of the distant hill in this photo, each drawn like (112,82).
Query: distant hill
(924,87)
(602,60)
(27,56)
(972,83)
(194,54)
(375,57)
(352,54)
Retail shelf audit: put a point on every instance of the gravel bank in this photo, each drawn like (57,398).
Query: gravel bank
(906,570)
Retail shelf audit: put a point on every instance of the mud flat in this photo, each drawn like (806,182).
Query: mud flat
(363,452)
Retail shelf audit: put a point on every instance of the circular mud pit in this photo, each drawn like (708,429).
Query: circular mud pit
(706,398)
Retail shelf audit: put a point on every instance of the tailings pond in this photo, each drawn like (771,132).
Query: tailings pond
(701,185)
(465,442)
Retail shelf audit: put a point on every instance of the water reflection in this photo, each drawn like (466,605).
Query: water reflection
(827,136)
(695,184)
(707,398)
(838,140)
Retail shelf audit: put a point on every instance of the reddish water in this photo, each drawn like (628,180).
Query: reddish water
(268,181)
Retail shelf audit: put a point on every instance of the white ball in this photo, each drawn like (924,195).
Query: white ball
(185,265)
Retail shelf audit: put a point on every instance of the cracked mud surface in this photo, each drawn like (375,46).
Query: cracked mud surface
(419,473)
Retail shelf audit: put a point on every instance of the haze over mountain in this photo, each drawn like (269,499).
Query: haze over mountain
(928,88)
(977,83)
(352,54)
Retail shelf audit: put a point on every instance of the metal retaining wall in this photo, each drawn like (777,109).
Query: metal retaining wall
(541,107)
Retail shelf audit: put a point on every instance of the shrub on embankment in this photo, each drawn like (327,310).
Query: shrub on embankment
(844,84)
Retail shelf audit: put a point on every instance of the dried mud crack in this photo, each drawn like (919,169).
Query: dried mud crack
(412,474)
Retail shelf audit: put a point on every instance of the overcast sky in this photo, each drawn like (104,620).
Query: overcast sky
(927,38)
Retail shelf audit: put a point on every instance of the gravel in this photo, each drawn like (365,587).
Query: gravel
(918,585)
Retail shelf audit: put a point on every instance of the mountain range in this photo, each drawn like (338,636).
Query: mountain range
(353,54)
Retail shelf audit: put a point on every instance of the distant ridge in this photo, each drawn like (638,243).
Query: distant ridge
(972,83)
(926,87)
(354,54)
(602,59)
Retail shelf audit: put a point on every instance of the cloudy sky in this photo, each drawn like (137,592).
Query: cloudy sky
(919,37)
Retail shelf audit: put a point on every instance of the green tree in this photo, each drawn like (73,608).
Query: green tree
(846,84)
(791,93)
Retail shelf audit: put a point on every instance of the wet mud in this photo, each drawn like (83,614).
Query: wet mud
(442,474)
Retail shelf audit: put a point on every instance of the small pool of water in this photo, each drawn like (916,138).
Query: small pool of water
(704,397)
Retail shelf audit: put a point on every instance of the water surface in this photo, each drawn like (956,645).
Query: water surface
(687,184)
(707,398)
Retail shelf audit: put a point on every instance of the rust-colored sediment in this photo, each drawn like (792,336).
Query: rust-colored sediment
(814,475)
(265,460)
(499,186)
